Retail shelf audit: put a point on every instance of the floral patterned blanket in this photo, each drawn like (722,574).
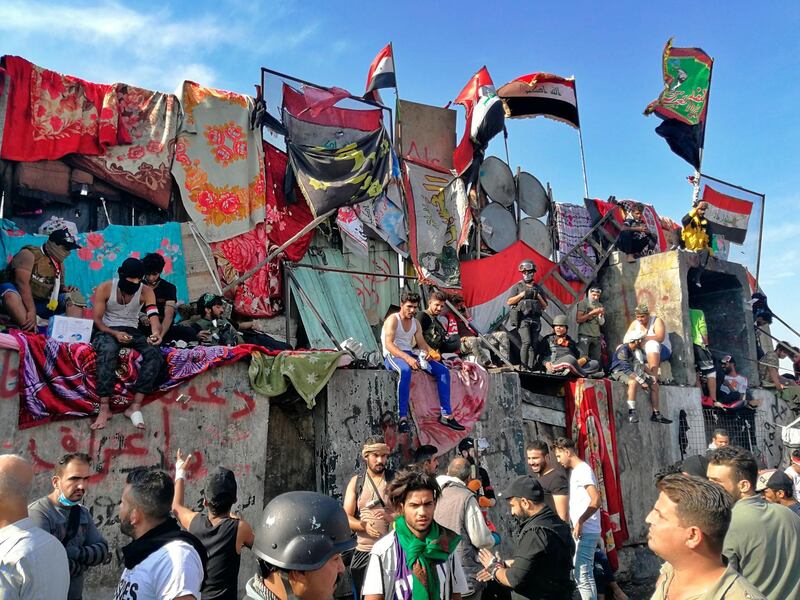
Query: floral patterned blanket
(261,295)
(50,115)
(143,167)
(103,251)
(58,381)
(219,163)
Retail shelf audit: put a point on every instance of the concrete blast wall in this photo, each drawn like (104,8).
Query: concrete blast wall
(224,423)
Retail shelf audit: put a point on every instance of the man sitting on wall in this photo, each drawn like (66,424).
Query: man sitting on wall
(433,328)
(768,366)
(213,329)
(635,239)
(33,284)
(558,353)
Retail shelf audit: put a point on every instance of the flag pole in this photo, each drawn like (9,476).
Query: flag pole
(760,234)
(698,170)
(580,142)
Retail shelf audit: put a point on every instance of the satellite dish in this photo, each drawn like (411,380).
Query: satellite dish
(497,181)
(498,228)
(533,200)
(534,233)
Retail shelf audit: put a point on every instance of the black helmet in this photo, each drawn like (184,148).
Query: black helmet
(301,531)
(527,265)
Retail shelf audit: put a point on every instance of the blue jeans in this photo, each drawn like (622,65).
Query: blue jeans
(437,370)
(584,565)
(41,305)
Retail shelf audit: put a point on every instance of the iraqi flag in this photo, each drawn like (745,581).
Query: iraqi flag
(486,283)
(485,118)
(728,214)
(381,73)
(541,95)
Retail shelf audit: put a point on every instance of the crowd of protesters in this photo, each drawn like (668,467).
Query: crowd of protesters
(723,529)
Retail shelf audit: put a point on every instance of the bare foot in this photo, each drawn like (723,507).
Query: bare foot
(134,413)
(103,417)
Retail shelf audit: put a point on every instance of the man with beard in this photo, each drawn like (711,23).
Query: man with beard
(299,543)
(552,478)
(162,562)
(687,528)
(61,514)
(542,564)
(366,505)
(761,542)
(418,559)
(777,487)
(433,329)
(117,304)
(591,315)
(33,284)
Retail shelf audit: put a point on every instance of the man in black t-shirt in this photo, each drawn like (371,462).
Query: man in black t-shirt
(166,300)
(485,492)
(552,476)
(528,303)
(433,330)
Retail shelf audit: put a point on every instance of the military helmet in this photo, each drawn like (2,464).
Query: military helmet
(301,531)
(527,265)
(560,320)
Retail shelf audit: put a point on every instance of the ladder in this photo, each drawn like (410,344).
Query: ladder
(603,243)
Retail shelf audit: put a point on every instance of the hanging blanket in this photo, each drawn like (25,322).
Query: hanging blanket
(308,372)
(58,381)
(50,115)
(598,209)
(261,295)
(438,218)
(143,167)
(103,252)
(572,223)
(590,422)
(219,163)
(469,388)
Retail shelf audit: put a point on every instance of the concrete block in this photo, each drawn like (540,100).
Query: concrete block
(224,423)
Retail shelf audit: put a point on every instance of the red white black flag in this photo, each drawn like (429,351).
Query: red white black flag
(381,71)
(729,215)
(541,94)
(485,118)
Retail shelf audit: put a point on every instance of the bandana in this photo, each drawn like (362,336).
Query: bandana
(374,448)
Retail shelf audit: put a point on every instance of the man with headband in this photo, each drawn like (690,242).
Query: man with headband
(365,503)
(117,305)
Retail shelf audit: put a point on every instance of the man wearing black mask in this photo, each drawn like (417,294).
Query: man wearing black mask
(117,305)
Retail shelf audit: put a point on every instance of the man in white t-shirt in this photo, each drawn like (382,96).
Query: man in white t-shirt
(33,563)
(793,471)
(584,514)
(162,562)
(418,540)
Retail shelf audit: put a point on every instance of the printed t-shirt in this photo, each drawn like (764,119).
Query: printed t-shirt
(172,571)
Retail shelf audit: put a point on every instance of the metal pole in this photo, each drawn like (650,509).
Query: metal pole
(697,171)
(279,249)
(516,197)
(479,334)
(760,234)
(580,142)
(349,271)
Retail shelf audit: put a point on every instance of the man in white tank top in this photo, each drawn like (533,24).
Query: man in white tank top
(400,333)
(658,348)
(117,304)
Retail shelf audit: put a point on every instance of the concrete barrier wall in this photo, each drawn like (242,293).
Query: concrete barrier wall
(224,423)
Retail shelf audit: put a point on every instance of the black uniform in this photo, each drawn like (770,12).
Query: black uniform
(542,568)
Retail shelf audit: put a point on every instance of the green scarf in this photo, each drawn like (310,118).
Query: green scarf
(422,556)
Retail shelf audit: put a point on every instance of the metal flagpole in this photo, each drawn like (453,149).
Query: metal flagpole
(580,141)
(760,234)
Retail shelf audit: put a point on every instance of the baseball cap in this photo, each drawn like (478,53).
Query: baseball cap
(221,486)
(641,309)
(64,238)
(764,476)
(209,300)
(524,486)
(727,359)
(696,465)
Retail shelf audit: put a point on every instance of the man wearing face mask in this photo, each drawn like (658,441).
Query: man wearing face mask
(528,303)
(117,305)
(33,284)
(61,514)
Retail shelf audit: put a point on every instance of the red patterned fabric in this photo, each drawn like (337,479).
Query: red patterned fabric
(590,422)
(58,381)
(469,388)
(261,295)
(50,115)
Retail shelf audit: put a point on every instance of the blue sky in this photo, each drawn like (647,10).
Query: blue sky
(613,49)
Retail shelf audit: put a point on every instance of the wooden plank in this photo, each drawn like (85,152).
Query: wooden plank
(557,276)
(553,299)
(540,414)
(571,266)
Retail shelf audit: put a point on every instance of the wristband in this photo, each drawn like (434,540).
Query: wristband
(494,568)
